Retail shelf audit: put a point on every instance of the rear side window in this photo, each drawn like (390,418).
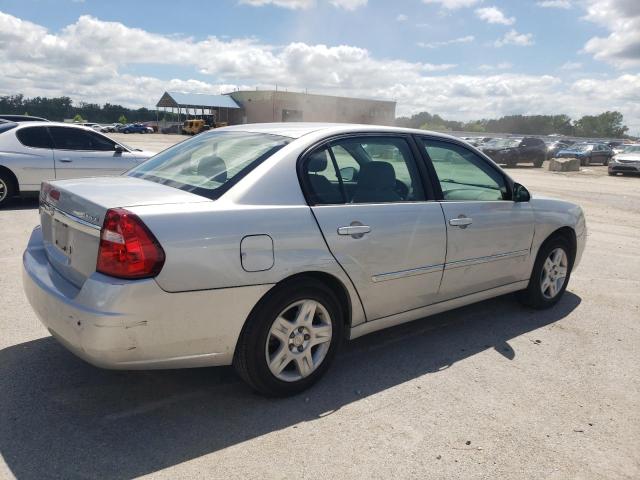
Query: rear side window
(66,138)
(35,137)
(363,170)
(209,164)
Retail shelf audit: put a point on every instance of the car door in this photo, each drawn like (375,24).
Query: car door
(83,153)
(36,159)
(378,221)
(489,236)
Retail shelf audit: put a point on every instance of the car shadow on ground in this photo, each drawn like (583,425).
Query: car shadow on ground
(22,203)
(61,417)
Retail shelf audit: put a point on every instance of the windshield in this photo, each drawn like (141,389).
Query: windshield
(502,143)
(210,163)
(631,149)
(581,147)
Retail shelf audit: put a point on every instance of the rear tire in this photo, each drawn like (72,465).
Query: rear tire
(7,188)
(284,348)
(550,275)
(538,163)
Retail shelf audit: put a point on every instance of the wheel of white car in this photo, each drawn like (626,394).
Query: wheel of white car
(7,189)
(550,275)
(290,338)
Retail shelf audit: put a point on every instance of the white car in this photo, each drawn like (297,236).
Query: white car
(34,152)
(265,246)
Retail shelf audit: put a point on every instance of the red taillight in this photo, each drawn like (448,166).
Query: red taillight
(127,248)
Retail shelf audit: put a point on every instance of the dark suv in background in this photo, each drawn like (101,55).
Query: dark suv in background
(512,151)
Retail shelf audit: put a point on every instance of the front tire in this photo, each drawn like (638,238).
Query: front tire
(550,275)
(290,338)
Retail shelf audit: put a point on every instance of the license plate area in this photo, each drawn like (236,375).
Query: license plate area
(60,237)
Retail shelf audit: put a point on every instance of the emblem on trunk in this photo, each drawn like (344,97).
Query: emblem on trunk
(85,216)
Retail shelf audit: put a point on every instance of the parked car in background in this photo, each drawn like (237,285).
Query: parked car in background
(34,152)
(623,148)
(587,153)
(135,128)
(554,147)
(513,151)
(626,162)
(265,246)
(22,118)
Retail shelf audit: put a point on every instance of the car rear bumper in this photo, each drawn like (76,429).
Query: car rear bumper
(122,324)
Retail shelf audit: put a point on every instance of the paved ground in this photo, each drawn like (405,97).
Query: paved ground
(487,391)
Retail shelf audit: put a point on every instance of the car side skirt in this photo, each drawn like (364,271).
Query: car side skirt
(433,309)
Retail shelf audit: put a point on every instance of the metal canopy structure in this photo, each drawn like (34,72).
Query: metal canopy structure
(195,101)
(197,105)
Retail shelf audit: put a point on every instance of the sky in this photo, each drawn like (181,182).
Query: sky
(462,59)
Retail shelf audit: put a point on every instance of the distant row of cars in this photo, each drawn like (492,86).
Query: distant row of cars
(512,151)
(123,128)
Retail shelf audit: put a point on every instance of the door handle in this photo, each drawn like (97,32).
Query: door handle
(461,221)
(65,160)
(356,231)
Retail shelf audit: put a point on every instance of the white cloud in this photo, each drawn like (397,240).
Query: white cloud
(622,18)
(453,4)
(401,17)
(348,4)
(87,60)
(465,39)
(290,4)
(512,37)
(500,66)
(564,4)
(494,15)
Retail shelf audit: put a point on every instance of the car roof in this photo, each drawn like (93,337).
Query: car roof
(52,124)
(299,129)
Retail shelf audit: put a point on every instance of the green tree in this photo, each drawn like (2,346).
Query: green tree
(78,118)
(122,119)
(607,124)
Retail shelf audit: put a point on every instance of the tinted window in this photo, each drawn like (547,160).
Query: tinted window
(36,137)
(66,138)
(463,175)
(208,163)
(7,126)
(363,170)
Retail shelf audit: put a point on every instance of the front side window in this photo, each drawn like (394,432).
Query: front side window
(463,175)
(363,170)
(34,137)
(208,163)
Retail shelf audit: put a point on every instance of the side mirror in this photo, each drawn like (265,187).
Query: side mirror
(118,149)
(520,194)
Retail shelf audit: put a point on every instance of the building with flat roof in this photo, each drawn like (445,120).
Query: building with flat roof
(264,106)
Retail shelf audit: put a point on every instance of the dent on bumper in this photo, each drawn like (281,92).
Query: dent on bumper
(121,324)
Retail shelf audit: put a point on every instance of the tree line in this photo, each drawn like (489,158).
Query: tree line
(59,108)
(605,125)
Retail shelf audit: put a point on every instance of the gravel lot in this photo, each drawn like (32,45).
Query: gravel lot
(487,391)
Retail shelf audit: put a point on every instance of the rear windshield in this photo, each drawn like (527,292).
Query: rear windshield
(7,126)
(210,163)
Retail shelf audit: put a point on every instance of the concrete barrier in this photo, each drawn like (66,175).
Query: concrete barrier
(564,165)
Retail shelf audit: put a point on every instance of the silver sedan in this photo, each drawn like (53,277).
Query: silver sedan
(33,152)
(265,246)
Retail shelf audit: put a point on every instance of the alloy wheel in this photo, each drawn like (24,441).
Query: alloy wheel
(3,190)
(554,273)
(298,340)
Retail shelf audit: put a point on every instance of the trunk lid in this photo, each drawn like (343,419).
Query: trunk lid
(71,219)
